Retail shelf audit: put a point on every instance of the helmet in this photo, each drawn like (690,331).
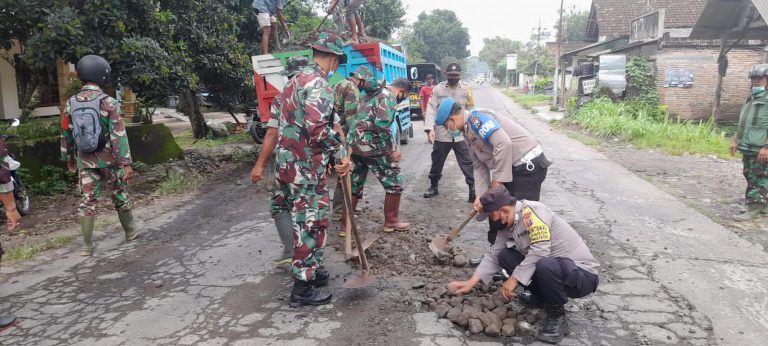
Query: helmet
(444,111)
(758,71)
(93,68)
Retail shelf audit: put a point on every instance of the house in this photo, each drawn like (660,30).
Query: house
(686,69)
(51,97)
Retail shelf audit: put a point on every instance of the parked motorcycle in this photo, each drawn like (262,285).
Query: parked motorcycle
(19,189)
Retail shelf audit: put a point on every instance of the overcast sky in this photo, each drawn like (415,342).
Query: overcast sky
(513,19)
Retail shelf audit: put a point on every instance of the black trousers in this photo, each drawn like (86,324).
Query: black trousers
(525,185)
(556,278)
(440,152)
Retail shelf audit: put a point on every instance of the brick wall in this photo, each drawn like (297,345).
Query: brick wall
(696,102)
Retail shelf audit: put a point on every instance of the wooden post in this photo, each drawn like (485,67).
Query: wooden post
(720,74)
(559,74)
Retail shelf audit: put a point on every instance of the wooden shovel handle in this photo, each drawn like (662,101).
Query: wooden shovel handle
(456,231)
(350,216)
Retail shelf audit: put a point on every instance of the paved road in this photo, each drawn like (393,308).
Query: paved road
(202,274)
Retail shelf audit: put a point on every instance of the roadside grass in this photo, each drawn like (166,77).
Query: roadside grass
(528,101)
(608,119)
(586,140)
(186,140)
(176,183)
(30,251)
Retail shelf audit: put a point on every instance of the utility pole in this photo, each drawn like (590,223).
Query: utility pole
(558,68)
(536,61)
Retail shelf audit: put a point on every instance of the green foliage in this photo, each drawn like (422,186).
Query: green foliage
(495,51)
(575,23)
(528,101)
(437,35)
(382,17)
(186,140)
(176,183)
(53,181)
(30,251)
(642,79)
(610,119)
(542,83)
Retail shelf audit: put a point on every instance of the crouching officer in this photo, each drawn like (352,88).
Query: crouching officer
(502,152)
(542,252)
(95,144)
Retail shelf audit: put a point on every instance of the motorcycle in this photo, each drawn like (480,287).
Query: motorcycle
(19,189)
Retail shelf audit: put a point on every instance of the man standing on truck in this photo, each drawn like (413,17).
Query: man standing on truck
(444,141)
(374,148)
(306,142)
(426,92)
(354,20)
(281,213)
(268,12)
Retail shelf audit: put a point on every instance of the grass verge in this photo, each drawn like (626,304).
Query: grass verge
(176,183)
(187,141)
(528,101)
(608,119)
(29,251)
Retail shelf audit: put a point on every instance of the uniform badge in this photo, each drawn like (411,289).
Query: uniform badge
(483,125)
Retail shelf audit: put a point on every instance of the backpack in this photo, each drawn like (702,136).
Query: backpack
(90,136)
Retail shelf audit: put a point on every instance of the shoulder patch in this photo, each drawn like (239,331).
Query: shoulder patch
(538,231)
(483,125)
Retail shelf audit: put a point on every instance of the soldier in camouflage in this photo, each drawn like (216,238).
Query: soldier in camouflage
(751,140)
(306,141)
(347,97)
(110,166)
(374,146)
(281,210)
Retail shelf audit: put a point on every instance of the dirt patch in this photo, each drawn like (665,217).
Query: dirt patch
(406,255)
(301,43)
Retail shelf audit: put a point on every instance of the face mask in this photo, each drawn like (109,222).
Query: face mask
(329,74)
(453,81)
(757,89)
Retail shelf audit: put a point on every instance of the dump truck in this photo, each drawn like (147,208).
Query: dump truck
(417,75)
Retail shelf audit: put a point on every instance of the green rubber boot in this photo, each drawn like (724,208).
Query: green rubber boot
(753,210)
(284,225)
(129,224)
(86,226)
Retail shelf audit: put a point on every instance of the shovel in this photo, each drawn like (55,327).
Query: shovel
(332,8)
(363,280)
(368,241)
(439,243)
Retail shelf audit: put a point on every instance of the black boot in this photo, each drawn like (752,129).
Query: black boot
(321,278)
(432,192)
(530,300)
(471,198)
(555,326)
(304,293)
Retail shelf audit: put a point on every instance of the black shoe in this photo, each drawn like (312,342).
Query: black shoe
(555,326)
(321,278)
(305,293)
(432,192)
(472,196)
(530,300)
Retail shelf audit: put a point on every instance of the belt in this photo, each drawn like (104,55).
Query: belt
(528,158)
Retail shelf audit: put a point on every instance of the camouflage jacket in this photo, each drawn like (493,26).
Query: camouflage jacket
(347,100)
(373,135)
(116,152)
(306,139)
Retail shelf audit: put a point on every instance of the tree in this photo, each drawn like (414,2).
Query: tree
(495,51)
(575,23)
(382,17)
(437,35)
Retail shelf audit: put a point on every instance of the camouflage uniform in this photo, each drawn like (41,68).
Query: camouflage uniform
(306,141)
(347,99)
(104,166)
(372,142)
(751,136)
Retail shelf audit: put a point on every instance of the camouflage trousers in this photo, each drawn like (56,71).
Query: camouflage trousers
(386,170)
(310,209)
(756,174)
(91,181)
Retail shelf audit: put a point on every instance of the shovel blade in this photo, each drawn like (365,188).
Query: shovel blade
(366,244)
(438,245)
(359,281)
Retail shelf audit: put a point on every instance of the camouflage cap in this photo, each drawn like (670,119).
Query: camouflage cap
(330,43)
(362,72)
(293,65)
(758,71)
